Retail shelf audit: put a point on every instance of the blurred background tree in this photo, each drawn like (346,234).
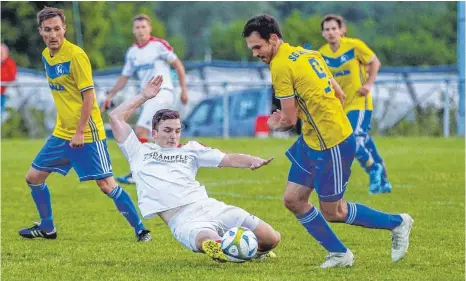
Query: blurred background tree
(401,33)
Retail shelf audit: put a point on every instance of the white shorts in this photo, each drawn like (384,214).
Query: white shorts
(164,100)
(211,215)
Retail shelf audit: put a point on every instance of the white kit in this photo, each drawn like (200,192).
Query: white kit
(147,61)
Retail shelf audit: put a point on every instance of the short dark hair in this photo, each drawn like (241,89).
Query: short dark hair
(48,13)
(265,25)
(338,19)
(142,17)
(162,115)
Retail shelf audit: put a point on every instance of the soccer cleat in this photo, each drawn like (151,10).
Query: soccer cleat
(375,175)
(261,257)
(400,237)
(214,250)
(386,186)
(128,179)
(338,260)
(37,232)
(143,236)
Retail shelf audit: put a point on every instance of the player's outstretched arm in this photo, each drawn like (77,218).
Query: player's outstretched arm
(118,117)
(243,161)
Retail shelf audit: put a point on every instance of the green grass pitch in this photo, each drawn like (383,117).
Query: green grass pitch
(96,243)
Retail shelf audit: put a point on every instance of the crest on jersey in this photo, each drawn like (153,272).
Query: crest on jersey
(59,69)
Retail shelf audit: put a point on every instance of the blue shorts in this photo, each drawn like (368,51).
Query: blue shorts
(360,121)
(326,171)
(91,161)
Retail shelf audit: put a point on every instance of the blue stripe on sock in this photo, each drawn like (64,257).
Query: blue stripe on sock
(311,215)
(114,192)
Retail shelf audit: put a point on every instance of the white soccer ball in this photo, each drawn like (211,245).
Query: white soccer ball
(239,244)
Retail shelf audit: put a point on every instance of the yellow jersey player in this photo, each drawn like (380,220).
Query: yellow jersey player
(355,67)
(78,140)
(321,157)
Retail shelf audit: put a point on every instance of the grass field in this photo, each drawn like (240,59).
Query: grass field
(96,243)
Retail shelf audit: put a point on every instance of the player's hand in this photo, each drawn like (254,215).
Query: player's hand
(274,120)
(184,97)
(77,140)
(365,89)
(259,162)
(152,88)
(107,104)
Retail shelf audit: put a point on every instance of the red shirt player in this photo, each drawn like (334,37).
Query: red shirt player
(8,72)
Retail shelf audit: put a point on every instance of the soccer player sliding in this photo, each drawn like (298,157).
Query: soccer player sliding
(165,177)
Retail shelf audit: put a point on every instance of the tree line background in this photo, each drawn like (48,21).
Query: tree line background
(401,33)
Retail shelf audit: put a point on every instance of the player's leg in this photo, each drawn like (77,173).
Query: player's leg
(208,241)
(296,198)
(193,226)
(228,216)
(126,207)
(370,146)
(164,100)
(267,237)
(51,158)
(92,162)
(331,185)
(360,121)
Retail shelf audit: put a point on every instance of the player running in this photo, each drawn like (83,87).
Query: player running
(149,57)
(348,59)
(321,158)
(165,177)
(78,140)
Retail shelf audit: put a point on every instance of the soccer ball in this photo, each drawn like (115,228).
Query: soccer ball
(239,244)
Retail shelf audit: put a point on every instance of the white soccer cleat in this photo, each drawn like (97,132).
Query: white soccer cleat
(338,260)
(400,237)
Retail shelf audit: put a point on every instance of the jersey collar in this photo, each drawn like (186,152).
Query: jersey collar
(281,49)
(65,42)
(152,38)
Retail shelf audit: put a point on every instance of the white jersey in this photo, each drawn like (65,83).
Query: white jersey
(149,60)
(166,177)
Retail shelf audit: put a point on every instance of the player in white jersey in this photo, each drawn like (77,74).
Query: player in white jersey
(149,57)
(165,177)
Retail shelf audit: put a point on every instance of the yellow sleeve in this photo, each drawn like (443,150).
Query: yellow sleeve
(363,53)
(82,72)
(282,81)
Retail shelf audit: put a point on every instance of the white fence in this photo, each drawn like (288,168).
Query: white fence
(396,95)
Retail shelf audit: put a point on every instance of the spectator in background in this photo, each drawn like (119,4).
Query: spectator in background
(8,72)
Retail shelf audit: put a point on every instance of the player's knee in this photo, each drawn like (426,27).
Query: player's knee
(334,214)
(34,177)
(276,237)
(105,185)
(290,202)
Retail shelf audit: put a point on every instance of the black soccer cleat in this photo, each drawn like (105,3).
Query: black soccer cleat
(143,236)
(37,232)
